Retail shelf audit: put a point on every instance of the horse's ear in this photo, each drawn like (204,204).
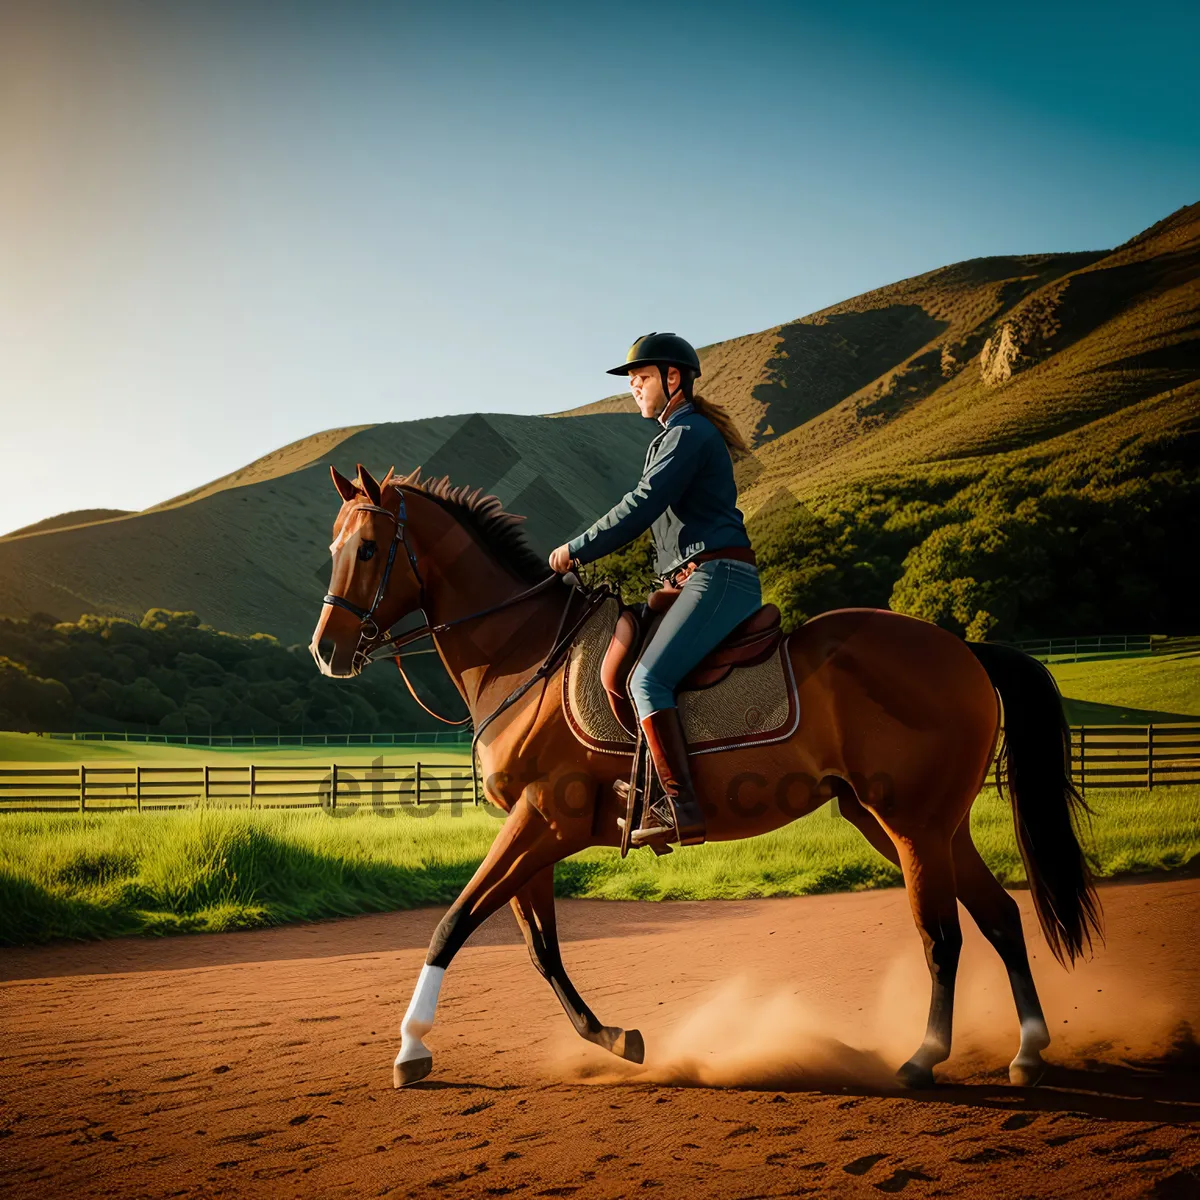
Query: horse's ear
(345,488)
(388,479)
(369,485)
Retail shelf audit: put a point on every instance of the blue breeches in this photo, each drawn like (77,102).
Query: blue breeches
(719,596)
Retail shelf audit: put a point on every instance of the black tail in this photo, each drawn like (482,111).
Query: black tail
(1034,768)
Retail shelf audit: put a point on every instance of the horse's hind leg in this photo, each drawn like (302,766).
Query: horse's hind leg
(524,846)
(928,867)
(999,920)
(533,906)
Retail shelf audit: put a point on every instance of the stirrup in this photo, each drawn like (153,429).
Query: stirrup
(659,843)
(632,793)
(664,824)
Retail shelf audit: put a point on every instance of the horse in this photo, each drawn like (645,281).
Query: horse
(900,721)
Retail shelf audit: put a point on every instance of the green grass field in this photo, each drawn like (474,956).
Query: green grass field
(107,874)
(1162,684)
(66,876)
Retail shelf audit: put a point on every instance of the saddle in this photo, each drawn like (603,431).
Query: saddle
(751,642)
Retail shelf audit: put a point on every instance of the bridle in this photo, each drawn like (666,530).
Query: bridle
(369,633)
(374,644)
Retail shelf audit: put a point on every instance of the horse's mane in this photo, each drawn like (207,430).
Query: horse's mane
(483,514)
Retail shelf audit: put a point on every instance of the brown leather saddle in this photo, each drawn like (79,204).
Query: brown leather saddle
(751,642)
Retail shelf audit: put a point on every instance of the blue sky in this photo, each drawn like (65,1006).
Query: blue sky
(225,226)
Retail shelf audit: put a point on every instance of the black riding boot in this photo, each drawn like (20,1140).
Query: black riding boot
(667,744)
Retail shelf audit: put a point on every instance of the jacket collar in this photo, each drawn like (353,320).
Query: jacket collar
(686,407)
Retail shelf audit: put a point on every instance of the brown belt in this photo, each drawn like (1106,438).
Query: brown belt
(741,553)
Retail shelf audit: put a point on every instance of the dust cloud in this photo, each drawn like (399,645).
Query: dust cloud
(830,1035)
(736,1038)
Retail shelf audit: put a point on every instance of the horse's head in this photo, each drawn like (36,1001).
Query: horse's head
(375,577)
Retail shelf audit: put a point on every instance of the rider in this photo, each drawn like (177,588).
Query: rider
(688,497)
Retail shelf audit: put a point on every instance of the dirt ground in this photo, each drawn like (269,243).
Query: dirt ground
(259,1063)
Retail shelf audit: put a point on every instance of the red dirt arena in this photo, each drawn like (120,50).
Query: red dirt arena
(260,1064)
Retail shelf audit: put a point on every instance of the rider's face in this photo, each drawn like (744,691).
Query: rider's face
(646,385)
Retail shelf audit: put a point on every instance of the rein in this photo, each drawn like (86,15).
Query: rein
(558,648)
(561,644)
(393,645)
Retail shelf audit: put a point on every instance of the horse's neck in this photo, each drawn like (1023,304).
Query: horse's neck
(491,657)
(487,657)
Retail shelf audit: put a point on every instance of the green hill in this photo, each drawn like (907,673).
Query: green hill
(1005,446)
(978,358)
(81,516)
(250,554)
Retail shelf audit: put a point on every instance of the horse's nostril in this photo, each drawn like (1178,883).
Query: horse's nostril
(325,649)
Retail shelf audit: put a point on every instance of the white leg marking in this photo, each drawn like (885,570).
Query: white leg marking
(1034,1034)
(1028,1067)
(418,1021)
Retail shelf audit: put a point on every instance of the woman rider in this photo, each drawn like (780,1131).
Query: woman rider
(688,498)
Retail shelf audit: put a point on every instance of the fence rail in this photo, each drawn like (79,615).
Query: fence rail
(139,788)
(434,737)
(1118,645)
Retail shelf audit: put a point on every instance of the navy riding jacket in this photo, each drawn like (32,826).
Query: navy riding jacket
(686,495)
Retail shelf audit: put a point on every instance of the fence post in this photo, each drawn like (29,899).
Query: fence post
(82,788)
(137,785)
(418,783)
(1149,756)
(1082,757)
(207,786)
(333,786)
(251,785)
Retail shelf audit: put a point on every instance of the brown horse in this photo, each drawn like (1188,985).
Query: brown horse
(899,719)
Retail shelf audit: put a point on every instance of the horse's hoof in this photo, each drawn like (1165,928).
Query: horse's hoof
(1028,1073)
(406,1073)
(914,1075)
(630,1047)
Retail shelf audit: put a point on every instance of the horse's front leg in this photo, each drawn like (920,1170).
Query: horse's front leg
(533,906)
(525,845)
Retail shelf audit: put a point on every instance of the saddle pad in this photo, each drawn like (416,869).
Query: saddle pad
(752,705)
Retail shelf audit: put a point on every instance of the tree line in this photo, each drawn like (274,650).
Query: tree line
(1099,540)
(170,673)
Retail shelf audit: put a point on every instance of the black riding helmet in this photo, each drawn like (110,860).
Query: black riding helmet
(663,350)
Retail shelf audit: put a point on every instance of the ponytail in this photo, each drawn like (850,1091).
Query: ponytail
(725,427)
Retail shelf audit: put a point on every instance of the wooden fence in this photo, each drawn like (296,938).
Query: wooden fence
(1102,756)
(1135,755)
(86,788)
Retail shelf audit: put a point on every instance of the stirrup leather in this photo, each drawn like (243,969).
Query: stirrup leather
(643,778)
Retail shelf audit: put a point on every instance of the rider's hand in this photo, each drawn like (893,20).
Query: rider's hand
(560,559)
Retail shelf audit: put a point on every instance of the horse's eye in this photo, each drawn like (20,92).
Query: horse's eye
(366,551)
